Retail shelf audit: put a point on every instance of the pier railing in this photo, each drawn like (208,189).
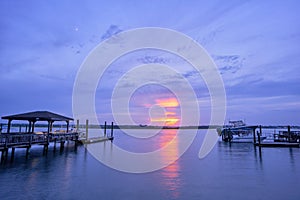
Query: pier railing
(19,139)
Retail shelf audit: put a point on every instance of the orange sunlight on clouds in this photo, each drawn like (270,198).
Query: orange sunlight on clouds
(171,117)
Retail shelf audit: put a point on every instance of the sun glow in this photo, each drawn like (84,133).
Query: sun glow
(170,116)
(167,103)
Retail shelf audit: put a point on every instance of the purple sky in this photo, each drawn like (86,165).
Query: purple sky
(255,45)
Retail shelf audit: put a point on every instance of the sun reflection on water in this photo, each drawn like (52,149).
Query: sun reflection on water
(171,174)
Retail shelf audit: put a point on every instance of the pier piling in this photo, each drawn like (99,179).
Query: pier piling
(254,137)
(289,133)
(105,128)
(87,129)
(112,130)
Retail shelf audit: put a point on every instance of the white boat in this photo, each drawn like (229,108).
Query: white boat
(238,132)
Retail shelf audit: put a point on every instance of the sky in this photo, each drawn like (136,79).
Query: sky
(255,45)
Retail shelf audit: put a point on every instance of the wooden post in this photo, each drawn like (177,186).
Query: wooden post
(29,127)
(105,128)
(51,126)
(112,130)
(87,129)
(260,130)
(48,131)
(67,126)
(20,128)
(258,136)
(77,125)
(8,125)
(289,133)
(33,126)
(25,128)
(254,137)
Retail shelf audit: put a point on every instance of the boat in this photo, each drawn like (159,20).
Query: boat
(238,132)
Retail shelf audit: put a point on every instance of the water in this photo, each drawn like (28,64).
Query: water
(235,171)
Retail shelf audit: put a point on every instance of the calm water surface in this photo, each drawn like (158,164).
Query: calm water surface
(236,171)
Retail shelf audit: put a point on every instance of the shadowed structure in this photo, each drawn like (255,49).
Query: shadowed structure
(33,117)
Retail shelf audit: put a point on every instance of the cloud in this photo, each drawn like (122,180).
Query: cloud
(112,30)
(228,63)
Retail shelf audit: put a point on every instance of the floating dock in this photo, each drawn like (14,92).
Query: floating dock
(95,140)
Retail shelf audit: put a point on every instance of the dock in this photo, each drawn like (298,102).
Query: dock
(288,138)
(88,140)
(95,140)
(11,141)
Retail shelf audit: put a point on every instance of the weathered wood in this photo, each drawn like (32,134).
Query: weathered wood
(254,137)
(87,129)
(289,133)
(105,128)
(25,140)
(112,130)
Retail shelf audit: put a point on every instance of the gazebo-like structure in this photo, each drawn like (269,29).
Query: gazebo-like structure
(33,117)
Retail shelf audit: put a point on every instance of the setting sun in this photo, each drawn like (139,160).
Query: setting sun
(170,116)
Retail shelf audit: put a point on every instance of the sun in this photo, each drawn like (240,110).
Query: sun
(171,118)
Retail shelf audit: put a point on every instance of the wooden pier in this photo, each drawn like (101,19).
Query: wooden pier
(282,139)
(12,140)
(27,140)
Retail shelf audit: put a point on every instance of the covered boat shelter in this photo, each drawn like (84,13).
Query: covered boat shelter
(33,117)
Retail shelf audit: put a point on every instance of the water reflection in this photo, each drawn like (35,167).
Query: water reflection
(171,174)
(258,156)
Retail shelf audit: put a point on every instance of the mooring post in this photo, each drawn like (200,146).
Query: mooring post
(87,129)
(105,128)
(260,130)
(289,133)
(258,137)
(112,130)
(254,137)
(77,125)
